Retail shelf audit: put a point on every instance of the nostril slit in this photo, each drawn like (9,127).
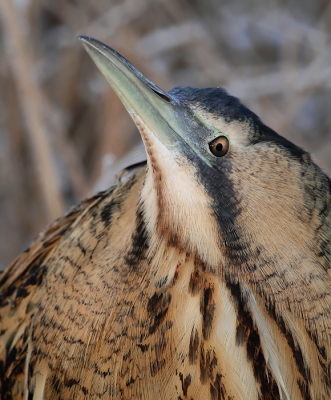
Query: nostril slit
(164,96)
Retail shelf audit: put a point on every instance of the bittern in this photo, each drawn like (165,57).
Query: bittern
(203,274)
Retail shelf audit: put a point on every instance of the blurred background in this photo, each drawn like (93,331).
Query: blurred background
(63,132)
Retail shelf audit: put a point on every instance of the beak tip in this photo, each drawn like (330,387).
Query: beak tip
(84,39)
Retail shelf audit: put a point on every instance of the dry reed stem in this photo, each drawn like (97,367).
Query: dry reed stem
(17,52)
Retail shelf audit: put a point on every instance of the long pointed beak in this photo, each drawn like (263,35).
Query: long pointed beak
(168,119)
(138,94)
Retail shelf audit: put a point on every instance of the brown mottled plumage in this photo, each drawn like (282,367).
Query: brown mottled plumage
(205,274)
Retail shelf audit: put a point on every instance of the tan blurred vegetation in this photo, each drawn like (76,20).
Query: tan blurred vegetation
(60,122)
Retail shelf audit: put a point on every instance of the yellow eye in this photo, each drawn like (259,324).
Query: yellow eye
(220,146)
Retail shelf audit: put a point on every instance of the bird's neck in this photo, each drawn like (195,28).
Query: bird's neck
(271,272)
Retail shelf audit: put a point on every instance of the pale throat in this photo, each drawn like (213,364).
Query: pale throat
(176,204)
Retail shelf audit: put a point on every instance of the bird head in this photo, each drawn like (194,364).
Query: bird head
(219,183)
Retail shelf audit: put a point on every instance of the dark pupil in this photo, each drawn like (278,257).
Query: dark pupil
(219,147)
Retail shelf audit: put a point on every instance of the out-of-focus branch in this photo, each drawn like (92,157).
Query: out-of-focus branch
(302,80)
(30,99)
